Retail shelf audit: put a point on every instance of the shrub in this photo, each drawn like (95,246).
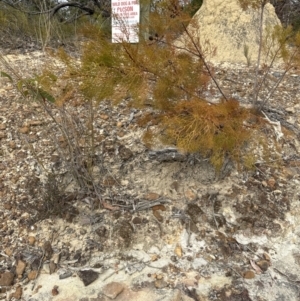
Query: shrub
(18,28)
(154,72)
(172,80)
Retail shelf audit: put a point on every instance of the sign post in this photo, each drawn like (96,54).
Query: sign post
(125,21)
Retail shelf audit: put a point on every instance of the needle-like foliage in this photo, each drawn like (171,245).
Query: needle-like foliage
(171,78)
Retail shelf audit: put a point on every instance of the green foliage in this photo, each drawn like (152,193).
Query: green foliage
(31,88)
(194,6)
(247,55)
(296,24)
(280,37)
(4,74)
(17,27)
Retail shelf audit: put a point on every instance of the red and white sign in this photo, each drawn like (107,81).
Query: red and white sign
(125,21)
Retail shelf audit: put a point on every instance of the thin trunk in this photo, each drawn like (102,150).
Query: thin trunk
(255,88)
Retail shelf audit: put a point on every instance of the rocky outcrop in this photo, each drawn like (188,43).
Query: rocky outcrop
(224,30)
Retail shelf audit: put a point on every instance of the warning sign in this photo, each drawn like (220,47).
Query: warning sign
(125,21)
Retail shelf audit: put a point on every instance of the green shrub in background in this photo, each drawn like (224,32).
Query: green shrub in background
(19,29)
(195,5)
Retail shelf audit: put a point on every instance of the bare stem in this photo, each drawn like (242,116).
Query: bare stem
(255,88)
(200,55)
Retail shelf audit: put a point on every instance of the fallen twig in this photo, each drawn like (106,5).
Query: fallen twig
(277,127)
(287,277)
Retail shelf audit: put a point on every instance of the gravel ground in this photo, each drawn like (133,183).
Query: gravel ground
(155,215)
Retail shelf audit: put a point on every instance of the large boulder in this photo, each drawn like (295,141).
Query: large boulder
(224,30)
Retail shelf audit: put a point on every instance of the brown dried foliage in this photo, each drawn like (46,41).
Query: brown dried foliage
(156,73)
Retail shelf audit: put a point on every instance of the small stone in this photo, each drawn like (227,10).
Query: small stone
(52,267)
(35,263)
(56,258)
(7,206)
(173,258)
(158,215)
(55,290)
(264,183)
(17,294)
(159,207)
(154,257)
(9,87)
(271,182)
(195,212)
(65,275)
(21,265)
(46,268)
(263,264)
(160,283)
(47,249)
(193,227)
(249,274)
(290,110)
(24,130)
(82,231)
(113,289)
(103,116)
(229,215)
(35,122)
(151,196)
(2,135)
(175,185)
(61,139)
(35,105)
(190,282)
(31,240)
(267,256)
(125,153)
(137,220)
(8,252)
(124,182)
(12,144)
(6,279)
(119,124)
(87,276)
(2,126)
(121,134)
(190,195)
(32,275)
(178,250)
